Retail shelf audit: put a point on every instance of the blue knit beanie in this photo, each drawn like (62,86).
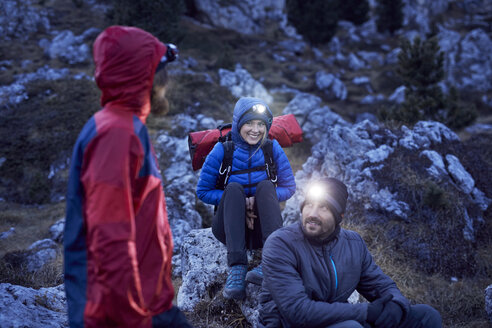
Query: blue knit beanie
(257,110)
(335,193)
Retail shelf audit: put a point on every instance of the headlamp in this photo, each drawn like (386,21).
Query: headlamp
(316,191)
(322,193)
(258,108)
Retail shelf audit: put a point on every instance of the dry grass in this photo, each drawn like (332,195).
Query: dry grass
(31,223)
(50,275)
(461,303)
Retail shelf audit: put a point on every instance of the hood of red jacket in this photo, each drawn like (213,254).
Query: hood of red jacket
(125,60)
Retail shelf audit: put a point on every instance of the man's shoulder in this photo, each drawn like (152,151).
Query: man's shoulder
(350,235)
(287,234)
(292,229)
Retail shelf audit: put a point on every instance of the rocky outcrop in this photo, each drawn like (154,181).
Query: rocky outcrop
(241,84)
(70,48)
(204,264)
(26,307)
(248,17)
(468,59)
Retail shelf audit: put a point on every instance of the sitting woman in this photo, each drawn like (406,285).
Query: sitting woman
(248,208)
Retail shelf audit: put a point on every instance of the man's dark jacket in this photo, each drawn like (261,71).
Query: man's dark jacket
(307,284)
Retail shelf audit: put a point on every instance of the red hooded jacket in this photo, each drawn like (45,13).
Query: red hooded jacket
(118,244)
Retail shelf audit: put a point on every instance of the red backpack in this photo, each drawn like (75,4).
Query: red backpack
(285,129)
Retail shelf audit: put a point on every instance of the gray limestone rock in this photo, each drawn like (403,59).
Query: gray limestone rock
(203,264)
(242,84)
(26,307)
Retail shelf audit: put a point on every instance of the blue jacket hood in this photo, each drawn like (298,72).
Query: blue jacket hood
(243,105)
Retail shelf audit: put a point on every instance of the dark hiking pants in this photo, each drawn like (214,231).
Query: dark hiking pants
(229,222)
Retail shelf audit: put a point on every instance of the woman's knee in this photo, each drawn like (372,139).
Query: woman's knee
(265,186)
(234,188)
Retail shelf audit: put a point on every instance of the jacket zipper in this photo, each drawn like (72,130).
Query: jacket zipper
(249,166)
(333,266)
(336,275)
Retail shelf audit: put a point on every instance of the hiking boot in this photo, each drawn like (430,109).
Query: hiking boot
(235,287)
(255,276)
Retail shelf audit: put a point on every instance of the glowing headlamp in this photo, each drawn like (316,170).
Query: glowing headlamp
(322,193)
(316,191)
(258,108)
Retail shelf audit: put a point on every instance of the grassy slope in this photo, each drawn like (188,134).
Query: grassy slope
(35,120)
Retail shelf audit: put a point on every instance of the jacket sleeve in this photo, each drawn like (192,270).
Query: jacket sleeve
(286,184)
(110,166)
(286,287)
(205,188)
(374,283)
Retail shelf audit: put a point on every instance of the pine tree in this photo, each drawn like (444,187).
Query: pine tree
(355,11)
(421,69)
(420,66)
(389,15)
(316,20)
(158,17)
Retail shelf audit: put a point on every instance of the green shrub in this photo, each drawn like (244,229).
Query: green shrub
(420,66)
(316,20)
(389,15)
(355,11)
(158,17)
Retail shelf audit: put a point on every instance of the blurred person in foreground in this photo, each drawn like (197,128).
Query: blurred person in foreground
(118,243)
(312,267)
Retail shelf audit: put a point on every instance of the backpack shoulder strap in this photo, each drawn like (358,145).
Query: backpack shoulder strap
(226,165)
(271,168)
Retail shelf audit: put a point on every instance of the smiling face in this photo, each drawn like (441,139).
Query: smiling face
(253,131)
(318,221)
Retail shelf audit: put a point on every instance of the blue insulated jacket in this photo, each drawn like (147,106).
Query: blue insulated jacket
(245,156)
(307,285)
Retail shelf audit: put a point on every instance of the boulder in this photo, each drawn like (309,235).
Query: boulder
(68,47)
(40,253)
(26,307)
(437,168)
(426,133)
(331,85)
(419,14)
(246,17)
(203,265)
(468,59)
(462,179)
(57,229)
(241,84)
(313,118)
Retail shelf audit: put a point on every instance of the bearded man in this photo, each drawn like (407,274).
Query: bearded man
(311,268)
